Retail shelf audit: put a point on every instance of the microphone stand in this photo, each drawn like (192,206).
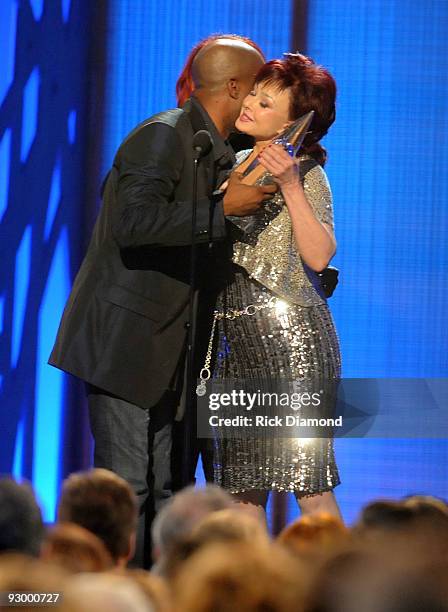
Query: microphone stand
(189,416)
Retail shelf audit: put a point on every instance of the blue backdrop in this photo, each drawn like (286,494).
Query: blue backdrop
(387,166)
(43,95)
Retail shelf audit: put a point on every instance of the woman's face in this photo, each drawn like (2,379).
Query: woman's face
(265,112)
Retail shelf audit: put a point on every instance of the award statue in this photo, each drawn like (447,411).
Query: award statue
(253,173)
(291,139)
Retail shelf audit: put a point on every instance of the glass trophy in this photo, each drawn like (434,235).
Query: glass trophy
(291,139)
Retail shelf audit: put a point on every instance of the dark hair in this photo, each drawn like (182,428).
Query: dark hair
(386,514)
(21,526)
(427,505)
(104,504)
(312,88)
(185,85)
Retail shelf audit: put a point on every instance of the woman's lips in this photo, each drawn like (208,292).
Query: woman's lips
(244,118)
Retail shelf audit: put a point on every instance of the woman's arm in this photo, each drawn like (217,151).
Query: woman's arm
(315,240)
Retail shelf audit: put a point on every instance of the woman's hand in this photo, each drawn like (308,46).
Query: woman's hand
(314,240)
(283,167)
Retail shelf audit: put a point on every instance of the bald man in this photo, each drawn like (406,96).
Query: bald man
(124,328)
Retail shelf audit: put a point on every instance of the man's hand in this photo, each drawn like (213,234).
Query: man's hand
(241,200)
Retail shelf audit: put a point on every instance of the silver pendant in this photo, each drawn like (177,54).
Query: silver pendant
(201,389)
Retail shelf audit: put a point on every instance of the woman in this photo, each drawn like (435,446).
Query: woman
(290,333)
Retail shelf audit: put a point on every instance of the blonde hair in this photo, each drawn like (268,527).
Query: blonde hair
(315,534)
(231,525)
(240,578)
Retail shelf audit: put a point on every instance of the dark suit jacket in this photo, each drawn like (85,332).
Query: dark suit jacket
(123,328)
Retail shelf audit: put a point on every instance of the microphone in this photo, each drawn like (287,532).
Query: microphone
(202,143)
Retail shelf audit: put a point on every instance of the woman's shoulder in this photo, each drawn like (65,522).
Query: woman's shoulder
(308,162)
(311,169)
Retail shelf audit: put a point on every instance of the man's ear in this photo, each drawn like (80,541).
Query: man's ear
(233,89)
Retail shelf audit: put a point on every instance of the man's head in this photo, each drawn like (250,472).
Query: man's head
(177,519)
(21,527)
(103,503)
(185,85)
(223,73)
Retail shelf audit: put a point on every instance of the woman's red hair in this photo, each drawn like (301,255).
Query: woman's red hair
(185,85)
(311,88)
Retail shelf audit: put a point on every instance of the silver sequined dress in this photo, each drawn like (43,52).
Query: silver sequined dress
(295,339)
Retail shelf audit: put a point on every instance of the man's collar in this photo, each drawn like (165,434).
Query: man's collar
(221,150)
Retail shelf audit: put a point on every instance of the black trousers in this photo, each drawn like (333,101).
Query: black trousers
(146,448)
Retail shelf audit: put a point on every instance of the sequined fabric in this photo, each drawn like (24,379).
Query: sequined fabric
(264,245)
(296,341)
(288,343)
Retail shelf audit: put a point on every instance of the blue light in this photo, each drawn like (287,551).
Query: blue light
(29,113)
(50,383)
(41,43)
(71,126)
(8,26)
(2,312)
(21,284)
(5,156)
(37,6)
(66,10)
(54,199)
(17,466)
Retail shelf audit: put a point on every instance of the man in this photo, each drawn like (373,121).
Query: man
(124,328)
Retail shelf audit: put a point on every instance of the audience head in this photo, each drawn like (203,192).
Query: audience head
(110,591)
(154,588)
(412,520)
(232,525)
(22,573)
(318,534)
(185,84)
(75,549)
(426,505)
(240,578)
(180,515)
(21,526)
(103,503)
(385,515)
(403,529)
(380,579)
